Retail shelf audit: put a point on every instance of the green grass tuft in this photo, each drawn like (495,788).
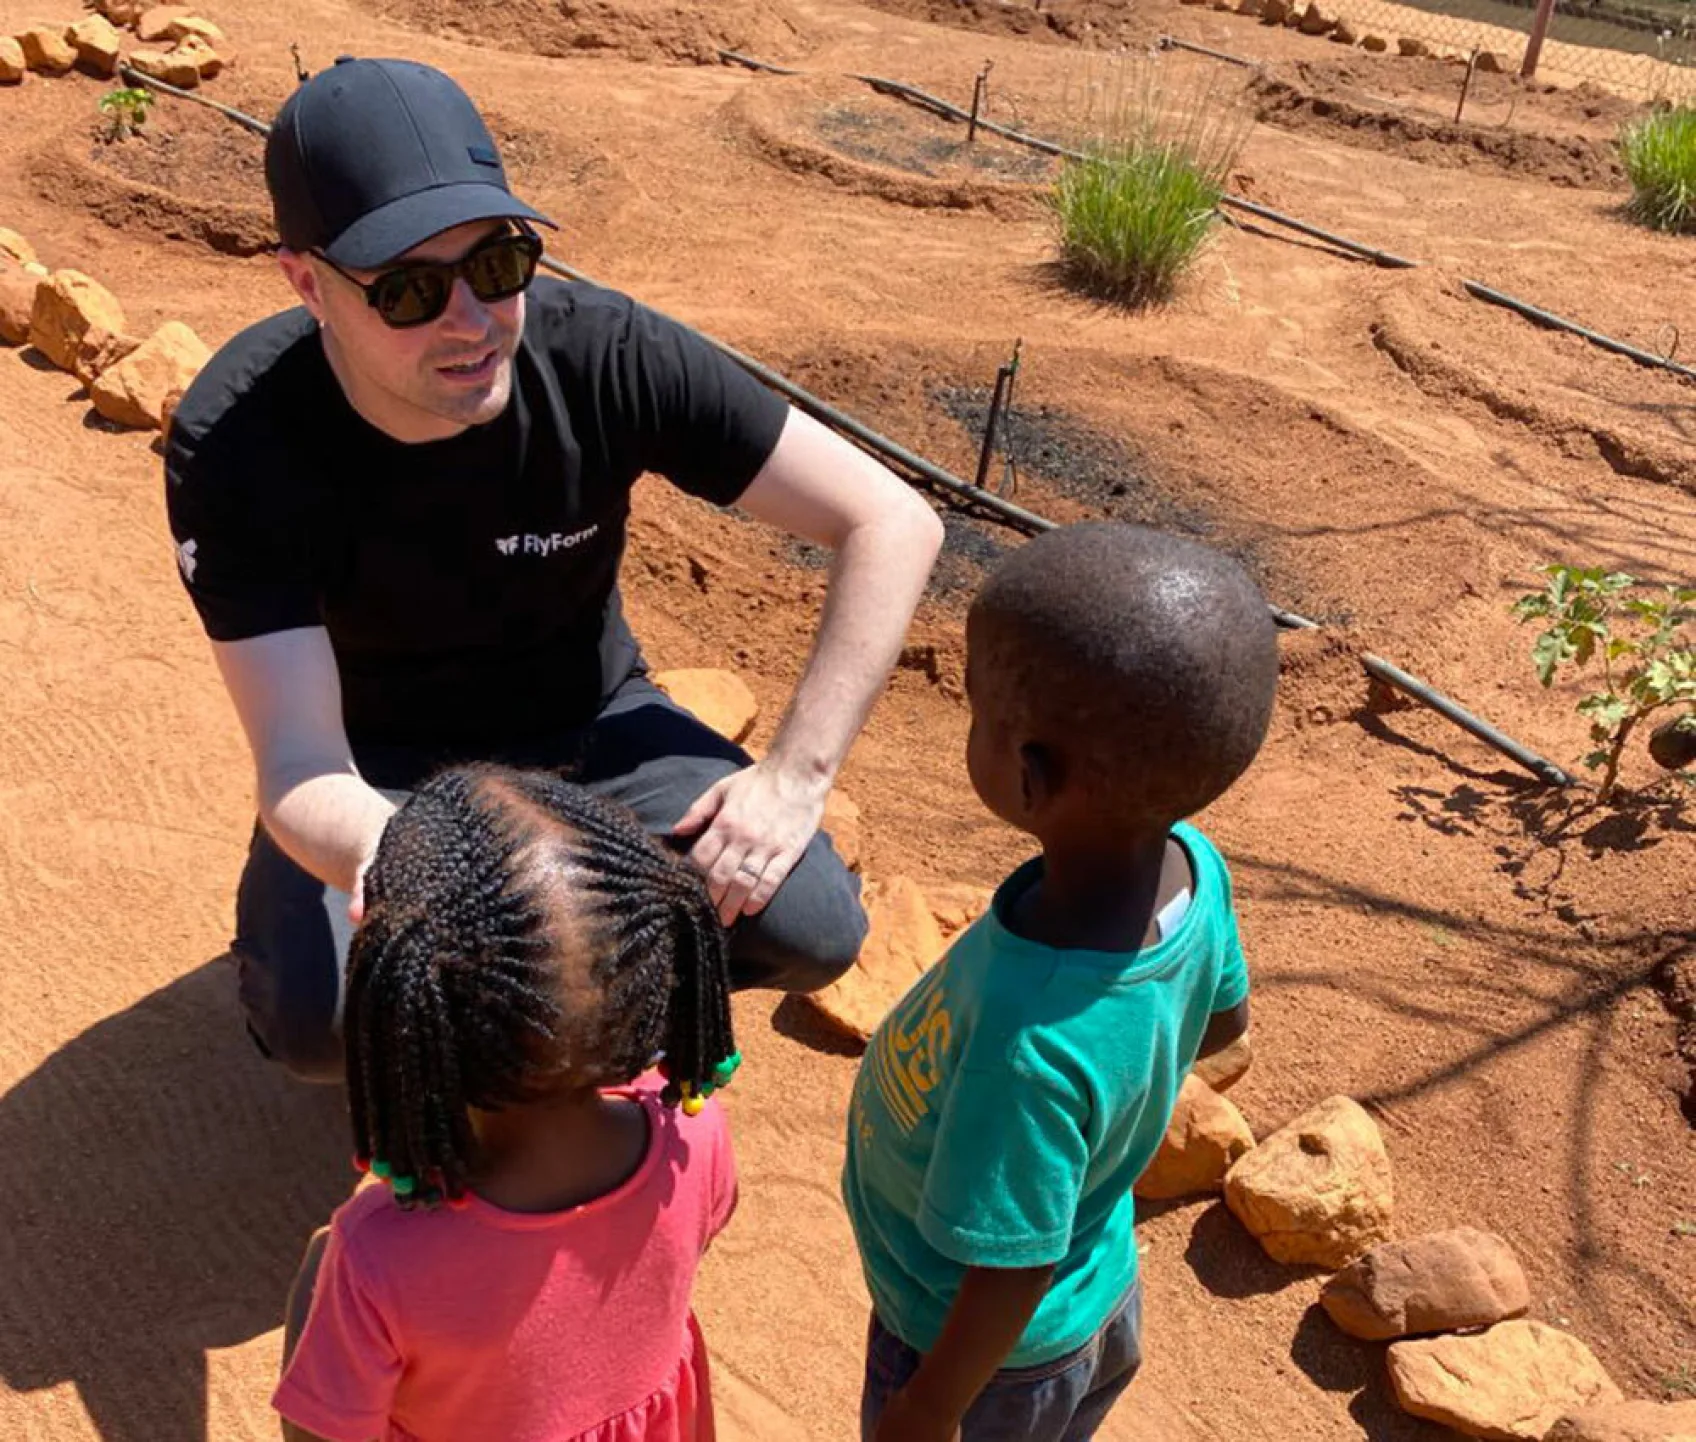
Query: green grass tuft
(1659,154)
(1134,216)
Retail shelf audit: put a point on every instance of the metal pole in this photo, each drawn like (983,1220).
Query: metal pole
(991,425)
(1534,46)
(977,100)
(1466,83)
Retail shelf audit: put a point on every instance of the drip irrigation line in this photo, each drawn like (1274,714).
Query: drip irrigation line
(1026,520)
(1171,42)
(134,76)
(1541,317)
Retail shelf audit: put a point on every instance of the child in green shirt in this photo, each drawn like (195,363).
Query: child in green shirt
(1120,679)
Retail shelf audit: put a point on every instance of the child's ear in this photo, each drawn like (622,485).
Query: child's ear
(1041,774)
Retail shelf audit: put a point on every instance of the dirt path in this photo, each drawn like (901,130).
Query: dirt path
(1427,932)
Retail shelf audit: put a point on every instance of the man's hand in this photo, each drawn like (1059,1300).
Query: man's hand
(751,829)
(906,1419)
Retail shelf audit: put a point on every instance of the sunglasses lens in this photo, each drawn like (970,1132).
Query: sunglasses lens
(501,268)
(413,294)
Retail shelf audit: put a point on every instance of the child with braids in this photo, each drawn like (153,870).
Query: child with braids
(524,1271)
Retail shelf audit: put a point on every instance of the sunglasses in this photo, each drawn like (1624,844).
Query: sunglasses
(419,291)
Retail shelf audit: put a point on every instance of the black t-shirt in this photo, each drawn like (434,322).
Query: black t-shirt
(469,586)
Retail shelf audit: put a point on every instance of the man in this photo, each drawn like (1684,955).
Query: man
(400,509)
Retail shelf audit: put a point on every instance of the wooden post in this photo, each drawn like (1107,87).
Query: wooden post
(1534,46)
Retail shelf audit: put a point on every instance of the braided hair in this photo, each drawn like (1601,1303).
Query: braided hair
(522,938)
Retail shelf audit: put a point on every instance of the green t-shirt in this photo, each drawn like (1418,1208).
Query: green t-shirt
(1006,1105)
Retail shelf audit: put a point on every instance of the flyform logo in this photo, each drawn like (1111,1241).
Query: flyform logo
(534,545)
(185,558)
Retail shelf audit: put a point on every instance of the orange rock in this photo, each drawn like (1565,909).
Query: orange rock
(719,698)
(99,350)
(842,824)
(1438,1283)
(957,904)
(66,307)
(902,942)
(97,44)
(1511,1383)
(17,302)
(14,247)
(1205,1135)
(168,409)
(121,12)
(13,65)
(133,392)
(155,24)
(1227,1066)
(1629,1422)
(46,50)
(1317,1191)
(198,51)
(182,28)
(172,68)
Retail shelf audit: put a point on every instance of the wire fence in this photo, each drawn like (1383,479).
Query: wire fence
(1645,49)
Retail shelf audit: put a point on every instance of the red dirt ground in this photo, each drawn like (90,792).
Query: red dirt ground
(1495,970)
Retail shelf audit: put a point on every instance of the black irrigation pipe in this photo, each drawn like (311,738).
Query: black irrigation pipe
(247,122)
(1026,520)
(1171,42)
(1387,259)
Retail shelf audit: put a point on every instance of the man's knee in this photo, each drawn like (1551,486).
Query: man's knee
(302,1039)
(809,934)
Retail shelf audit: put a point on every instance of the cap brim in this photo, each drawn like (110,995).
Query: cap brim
(393,229)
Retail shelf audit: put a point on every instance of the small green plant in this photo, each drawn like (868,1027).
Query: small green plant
(1640,636)
(1659,155)
(1680,1382)
(1134,214)
(125,111)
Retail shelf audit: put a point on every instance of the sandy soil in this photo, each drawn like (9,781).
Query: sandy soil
(1493,969)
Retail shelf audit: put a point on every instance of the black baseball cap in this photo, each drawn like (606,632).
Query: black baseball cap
(371,157)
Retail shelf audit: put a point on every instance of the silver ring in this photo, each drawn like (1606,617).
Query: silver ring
(748,871)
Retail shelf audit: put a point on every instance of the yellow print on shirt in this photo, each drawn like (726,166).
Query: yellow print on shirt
(908,1055)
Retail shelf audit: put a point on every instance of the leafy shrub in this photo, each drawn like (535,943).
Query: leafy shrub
(125,111)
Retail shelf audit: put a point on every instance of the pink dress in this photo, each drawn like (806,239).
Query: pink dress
(483,1325)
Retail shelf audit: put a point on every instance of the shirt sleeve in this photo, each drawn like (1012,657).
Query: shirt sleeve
(699,419)
(238,556)
(1006,1168)
(340,1383)
(1232,987)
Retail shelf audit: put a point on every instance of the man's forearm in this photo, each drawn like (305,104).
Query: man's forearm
(328,823)
(989,1315)
(876,579)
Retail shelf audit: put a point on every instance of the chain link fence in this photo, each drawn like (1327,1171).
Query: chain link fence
(1645,49)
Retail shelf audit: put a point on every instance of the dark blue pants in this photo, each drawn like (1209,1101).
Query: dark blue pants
(292,931)
(1064,1400)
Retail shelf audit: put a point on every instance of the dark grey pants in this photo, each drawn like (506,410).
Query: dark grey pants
(292,931)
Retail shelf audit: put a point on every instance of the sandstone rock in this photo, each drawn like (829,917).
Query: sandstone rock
(1377,44)
(902,942)
(1628,1422)
(97,44)
(1318,1191)
(172,68)
(99,350)
(186,25)
(1250,7)
(1316,20)
(168,408)
(1491,63)
(1514,1381)
(155,24)
(46,49)
(133,392)
(1440,1283)
(14,247)
(198,51)
(122,12)
(66,308)
(719,698)
(17,302)
(957,904)
(1274,12)
(842,823)
(1225,1068)
(1205,1135)
(13,65)
(1407,45)
(1344,34)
